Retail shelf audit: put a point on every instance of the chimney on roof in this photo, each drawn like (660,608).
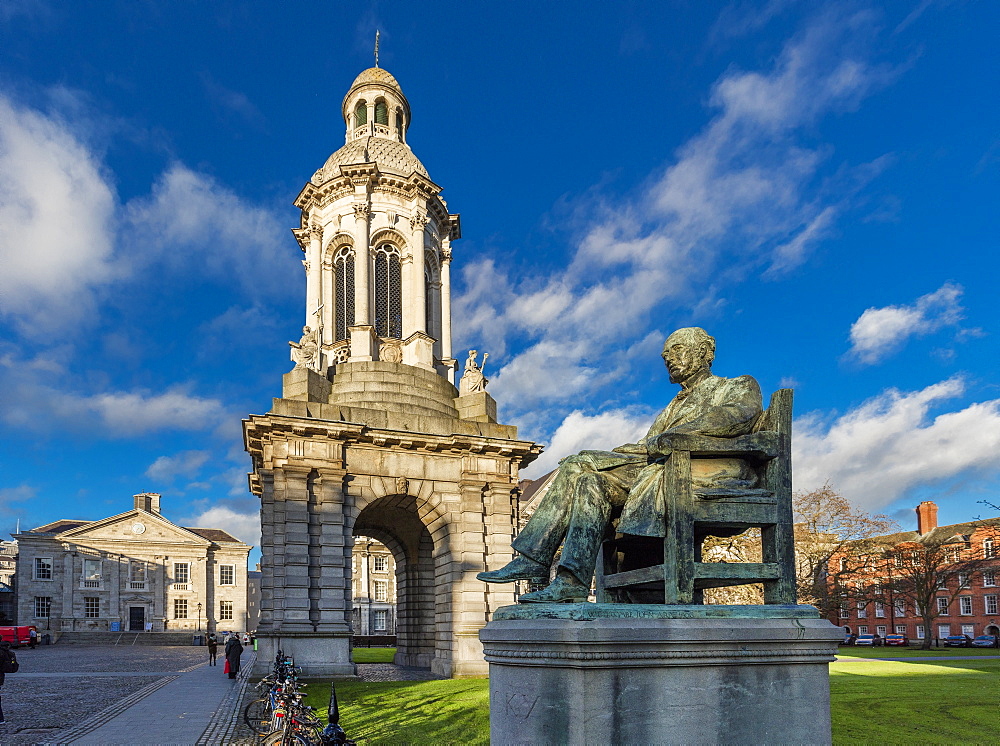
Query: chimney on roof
(148,501)
(926,517)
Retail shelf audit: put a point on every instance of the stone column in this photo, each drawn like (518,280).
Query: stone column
(418,304)
(70,579)
(446,352)
(313,264)
(291,552)
(268,541)
(362,264)
(115,604)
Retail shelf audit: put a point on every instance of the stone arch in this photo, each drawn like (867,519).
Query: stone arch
(402,523)
(992,630)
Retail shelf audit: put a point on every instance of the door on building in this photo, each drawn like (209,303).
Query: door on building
(136,618)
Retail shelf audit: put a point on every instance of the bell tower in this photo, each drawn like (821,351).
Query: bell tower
(377,239)
(370,437)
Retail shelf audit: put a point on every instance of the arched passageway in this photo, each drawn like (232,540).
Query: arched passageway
(395,521)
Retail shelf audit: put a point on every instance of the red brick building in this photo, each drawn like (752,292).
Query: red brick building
(958,565)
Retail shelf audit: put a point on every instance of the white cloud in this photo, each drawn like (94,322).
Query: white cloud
(36,398)
(879,332)
(191,223)
(742,195)
(601,432)
(184,464)
(244,526)
(57,211)
(891,444)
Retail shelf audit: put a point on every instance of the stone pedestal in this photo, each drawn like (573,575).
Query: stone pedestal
(304,384)
(320,655)
(477,407)
(630,673)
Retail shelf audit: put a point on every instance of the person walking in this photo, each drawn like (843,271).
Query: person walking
(32,638)
(213,649)
(233,651)
(8,664)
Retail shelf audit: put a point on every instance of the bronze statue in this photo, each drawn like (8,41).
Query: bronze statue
(592,486)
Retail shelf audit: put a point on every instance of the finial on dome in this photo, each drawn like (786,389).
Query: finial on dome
(376,47)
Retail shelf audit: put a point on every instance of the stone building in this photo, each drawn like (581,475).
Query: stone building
(8,582)
(370,436)
(135,571)
(374,588)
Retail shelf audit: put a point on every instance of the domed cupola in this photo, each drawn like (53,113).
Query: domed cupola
(377,238)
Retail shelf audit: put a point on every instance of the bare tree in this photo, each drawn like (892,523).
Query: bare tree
(833,541)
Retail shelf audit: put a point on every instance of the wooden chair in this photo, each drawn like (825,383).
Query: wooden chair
(631,569)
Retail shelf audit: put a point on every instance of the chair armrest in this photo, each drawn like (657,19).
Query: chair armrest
(762,446)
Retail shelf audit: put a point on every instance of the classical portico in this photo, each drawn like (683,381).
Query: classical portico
(370,437)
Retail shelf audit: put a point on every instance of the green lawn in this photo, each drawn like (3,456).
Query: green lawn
(884,702)
(374,655)
(894,652)
(925,701)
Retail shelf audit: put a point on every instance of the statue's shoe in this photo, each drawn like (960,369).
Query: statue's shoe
(558,591)
(520,568)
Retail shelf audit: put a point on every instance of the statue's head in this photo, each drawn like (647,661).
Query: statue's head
(687,352)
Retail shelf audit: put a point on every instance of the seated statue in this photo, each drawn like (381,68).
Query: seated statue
(592,487)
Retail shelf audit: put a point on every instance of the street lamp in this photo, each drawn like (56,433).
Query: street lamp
(199,616)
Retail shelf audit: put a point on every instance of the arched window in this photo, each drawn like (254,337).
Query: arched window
(381,113)
(361,114)
(388,293)
(399,122)
(431,289)
(343,278)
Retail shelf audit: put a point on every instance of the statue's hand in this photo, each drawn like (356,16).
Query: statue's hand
(631,449)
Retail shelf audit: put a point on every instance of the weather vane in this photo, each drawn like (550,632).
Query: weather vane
(376,47)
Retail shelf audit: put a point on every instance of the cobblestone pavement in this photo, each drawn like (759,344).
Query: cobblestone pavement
(59,687)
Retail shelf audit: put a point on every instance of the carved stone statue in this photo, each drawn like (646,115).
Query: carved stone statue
(473,380)
(305,352)
(591,487)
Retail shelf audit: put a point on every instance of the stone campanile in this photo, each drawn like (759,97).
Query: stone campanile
(370,436)
(377,242)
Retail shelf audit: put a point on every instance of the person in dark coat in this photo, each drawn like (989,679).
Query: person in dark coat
(233,650)
(6,656)
(213,649)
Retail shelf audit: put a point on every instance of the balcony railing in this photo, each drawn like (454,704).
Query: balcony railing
(90,584)
(137,585)
(181,586)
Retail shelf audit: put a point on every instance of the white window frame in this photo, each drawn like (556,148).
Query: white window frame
(380,563)
(384,616)
(990,602)
(880,630)
(43,607)
(900,607)
(900,629)
(969,629)
(94,578)
(179,584)
(965,605)
(845,613)
(380,589)
(92,607)
(225,611)
(862,629)
(36,566)
(942,605)
(989,578)
(179,605)
(989,549)
(920,632)
(944,630)
(232,572)
(862,609)
(880,610)
(963,580)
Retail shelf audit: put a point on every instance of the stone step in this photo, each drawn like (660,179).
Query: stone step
(125,638)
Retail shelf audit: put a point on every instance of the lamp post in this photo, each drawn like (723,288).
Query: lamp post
(199,616)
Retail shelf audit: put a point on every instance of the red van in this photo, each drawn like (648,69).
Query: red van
(17,636)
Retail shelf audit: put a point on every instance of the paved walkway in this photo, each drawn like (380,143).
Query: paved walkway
(197,705)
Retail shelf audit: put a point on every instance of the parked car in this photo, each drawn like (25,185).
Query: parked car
(958,641)
(986,641)
(870,640)
(849,639)
(902,640)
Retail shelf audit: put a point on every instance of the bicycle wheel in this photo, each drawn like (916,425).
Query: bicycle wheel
(257,716)
(278,738)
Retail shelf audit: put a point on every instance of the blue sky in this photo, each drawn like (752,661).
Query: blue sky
(816,186)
